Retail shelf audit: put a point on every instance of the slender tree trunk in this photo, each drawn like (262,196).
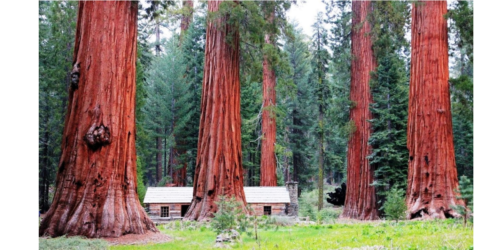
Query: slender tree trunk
(360,202)
(96,191)
(321,149)
(295,155)
(159,157)
(219,169)
(286,167)
(268,159)
(432,173)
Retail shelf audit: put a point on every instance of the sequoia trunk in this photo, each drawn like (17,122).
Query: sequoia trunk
(268,159)
(360,200)
(96,191)
(432,173)
(219,169)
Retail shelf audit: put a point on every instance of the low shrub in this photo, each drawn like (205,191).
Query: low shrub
(395,206)
(229,216)
(466,194)
(328,215)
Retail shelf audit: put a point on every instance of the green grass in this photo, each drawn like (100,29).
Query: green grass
(70,243)
(447,234)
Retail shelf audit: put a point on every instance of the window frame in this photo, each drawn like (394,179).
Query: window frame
(167,212)
(270,208)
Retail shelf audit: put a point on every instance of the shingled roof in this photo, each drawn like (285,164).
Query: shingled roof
(185,195)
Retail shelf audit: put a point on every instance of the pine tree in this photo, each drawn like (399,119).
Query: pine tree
(339,127)
(158,112)
(301,110)
(144,58)
(193,54)
(320,58)
(461,84)
(389,87)
(57,34)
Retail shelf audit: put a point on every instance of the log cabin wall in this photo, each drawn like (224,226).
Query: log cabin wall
(276,208)
(174,209)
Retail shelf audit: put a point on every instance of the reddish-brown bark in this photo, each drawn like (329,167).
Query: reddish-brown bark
(268,159)
(432,173)
(96,191)
(219,169)
(360,202)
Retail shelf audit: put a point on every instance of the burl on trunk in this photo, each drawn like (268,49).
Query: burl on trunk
(96,181)
(360,202)
(219,169)
(432,173)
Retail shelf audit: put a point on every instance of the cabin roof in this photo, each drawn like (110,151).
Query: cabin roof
(185,195)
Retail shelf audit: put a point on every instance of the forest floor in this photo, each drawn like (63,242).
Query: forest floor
(343,234)
(139,239)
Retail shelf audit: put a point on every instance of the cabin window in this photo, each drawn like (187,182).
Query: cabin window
(267,210)
(164,212)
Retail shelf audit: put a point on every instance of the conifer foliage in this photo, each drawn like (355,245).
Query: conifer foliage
(389,87)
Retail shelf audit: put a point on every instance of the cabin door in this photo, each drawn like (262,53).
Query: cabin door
(184,209)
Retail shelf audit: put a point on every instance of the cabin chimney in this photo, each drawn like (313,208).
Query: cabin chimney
(293,208)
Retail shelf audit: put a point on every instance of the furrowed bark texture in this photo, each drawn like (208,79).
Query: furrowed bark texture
(432,173)
(179,174)
(96,181)
(268,159)
(219,169)
(360,200)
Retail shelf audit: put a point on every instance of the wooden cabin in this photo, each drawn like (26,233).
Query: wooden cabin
(167,203)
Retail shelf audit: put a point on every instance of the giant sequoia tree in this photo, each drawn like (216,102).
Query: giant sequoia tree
(360,200)
(96,192)
(268,159)
(219,169)
(432,173)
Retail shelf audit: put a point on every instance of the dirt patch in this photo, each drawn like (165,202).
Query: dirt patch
(139,239)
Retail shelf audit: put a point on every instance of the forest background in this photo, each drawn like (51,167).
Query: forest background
(20,119)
